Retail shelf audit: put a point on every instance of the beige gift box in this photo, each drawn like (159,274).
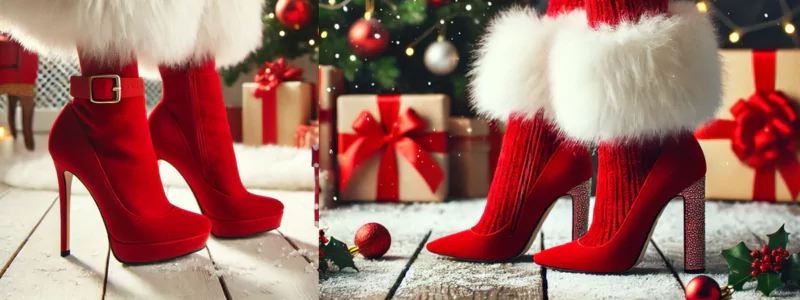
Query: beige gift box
(470,168)
(293,108)
(363,184)
(331,85)
(727,177)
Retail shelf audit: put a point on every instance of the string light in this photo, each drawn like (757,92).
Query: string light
(271,15)
(734,37)
(352,57)
(2,132)
(282,33)
(324,34)
(702,7)
(738,31)
(311,42)
(409,51)
(331,2)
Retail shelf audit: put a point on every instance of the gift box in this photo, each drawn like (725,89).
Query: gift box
(235,122)
(751,146)
(331,84)
(392,147)
(308,135)
(474,148)
(274,105)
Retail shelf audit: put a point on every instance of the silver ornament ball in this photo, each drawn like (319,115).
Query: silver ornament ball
(441,58)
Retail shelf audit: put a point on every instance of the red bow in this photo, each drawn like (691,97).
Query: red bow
(401,134)
(273,74)
(764,132)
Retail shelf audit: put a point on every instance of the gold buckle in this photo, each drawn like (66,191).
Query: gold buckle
(117,89)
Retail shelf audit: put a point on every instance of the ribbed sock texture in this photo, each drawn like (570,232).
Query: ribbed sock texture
(558,7)
(613,12)
(527,147)
(621,172)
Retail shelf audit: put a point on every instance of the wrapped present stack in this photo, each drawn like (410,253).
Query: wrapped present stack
(751,147)
(392,147)
(275,105)
(474,149)
(331,85)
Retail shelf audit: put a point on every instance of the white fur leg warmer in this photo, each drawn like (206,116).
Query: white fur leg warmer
(510,72)
(155,31)
(652,78)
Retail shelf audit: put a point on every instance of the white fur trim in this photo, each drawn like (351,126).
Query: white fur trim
(155,31)
(652,78)
(230,30)
(510,72)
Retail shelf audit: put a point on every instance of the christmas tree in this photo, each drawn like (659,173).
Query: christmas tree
(289,31)
(405,47)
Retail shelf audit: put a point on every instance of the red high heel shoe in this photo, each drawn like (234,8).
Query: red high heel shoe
(679,170)
(567,172)
(190,131)
(102,138)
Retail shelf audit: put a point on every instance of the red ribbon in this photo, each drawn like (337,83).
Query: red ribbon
(398,132)
(269,77)
(764,133)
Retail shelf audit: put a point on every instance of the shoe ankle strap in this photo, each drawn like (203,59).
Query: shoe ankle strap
(105,89)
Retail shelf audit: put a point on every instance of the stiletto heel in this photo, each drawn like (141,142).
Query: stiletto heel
(64,188)
(694,227)
(580,208)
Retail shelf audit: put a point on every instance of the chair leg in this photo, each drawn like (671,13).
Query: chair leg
(27,121)
(12,115)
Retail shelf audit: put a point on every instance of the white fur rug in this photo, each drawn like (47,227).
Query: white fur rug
(263,167)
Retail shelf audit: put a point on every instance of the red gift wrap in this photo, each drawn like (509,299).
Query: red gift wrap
(752,147)
(393,147)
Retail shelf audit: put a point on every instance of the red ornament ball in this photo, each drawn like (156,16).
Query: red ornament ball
(436,4)
(373,240)
(368,38)
(293,13)
(703,288)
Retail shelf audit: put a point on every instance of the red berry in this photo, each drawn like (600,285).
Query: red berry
(764,268)
(785,253)
(776,252)
(754,273)
(755,265)
(765,249)
(321,253)
(777,268)
(754,253)
(779,259)
(767,258)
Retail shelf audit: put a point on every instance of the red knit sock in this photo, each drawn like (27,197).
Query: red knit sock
(616,11)
(621,172)
(558,7)
(527,147)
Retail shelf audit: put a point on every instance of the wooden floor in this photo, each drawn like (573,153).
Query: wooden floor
(408,271)
(280,264)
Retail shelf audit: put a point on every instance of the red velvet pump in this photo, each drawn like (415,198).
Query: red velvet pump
(567,171)
(678,171)
(102,138)
(190,131)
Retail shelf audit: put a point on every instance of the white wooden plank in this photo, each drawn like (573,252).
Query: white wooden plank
(39,272)
(20,211)
(298,221)
(264,266)
(651,278)
(407,224)
(189,277)
(727,224)
(434,277)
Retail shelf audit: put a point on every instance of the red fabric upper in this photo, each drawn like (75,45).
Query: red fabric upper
(613,12)
(17,65)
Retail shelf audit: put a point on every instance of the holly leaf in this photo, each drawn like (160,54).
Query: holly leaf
(779,239)
(791,269)
(768,282)
(338,253)
(739,261)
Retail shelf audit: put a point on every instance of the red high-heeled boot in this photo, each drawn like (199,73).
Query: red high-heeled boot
(102,138)
(635,78)
(614,245)
(535,166)
(190,131)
